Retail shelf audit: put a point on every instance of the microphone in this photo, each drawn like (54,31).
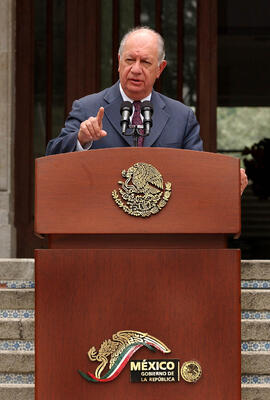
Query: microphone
(125,111)
(147,111)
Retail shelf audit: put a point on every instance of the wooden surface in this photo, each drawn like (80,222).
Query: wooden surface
(82,49)
(73,192)
(24,118)
(136,241)
(207,90)
(189,299)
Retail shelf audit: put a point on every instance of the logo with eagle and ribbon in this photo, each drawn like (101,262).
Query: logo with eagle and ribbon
(119,349)
(142,192)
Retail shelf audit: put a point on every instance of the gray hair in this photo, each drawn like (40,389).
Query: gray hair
(160,40)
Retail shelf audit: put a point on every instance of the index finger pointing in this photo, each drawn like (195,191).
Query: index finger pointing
(100,116)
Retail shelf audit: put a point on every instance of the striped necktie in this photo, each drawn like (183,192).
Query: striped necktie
(136,120)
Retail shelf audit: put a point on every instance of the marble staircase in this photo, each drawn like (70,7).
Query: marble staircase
(255,299)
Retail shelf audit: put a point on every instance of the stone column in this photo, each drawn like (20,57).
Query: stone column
(7,124)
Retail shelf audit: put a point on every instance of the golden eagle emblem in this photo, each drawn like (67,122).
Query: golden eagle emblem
(143,190)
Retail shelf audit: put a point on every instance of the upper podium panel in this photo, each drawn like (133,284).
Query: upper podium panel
(74,192)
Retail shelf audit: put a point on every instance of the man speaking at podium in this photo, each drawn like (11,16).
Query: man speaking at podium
(94,122)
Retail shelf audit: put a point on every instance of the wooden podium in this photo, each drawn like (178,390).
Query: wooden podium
(169,274)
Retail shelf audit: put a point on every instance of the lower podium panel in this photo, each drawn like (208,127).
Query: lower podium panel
(187,299)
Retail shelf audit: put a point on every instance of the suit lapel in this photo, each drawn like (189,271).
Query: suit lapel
(159,119)
(112,110)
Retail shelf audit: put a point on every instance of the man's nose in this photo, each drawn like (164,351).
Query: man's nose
(136,67)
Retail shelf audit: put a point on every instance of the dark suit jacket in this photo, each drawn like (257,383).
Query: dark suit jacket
(174,124)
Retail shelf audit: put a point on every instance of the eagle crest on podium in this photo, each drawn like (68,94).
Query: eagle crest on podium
(143,190)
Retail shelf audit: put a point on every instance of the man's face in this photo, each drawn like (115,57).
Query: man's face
(138,66)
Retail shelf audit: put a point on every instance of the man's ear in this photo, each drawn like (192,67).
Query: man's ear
(118,61)
(161,67)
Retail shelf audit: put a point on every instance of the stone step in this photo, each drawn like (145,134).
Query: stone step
(17,392)
(17,298)
(252,299)
(255,362)
(255,392)
(17,362)
(15,328)
(255,269)
(17,268)
(24,269)
(25,329)
(255,329)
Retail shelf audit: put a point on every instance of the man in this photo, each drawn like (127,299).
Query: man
(94,121)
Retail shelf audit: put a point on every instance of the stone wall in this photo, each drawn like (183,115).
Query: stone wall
(7,124)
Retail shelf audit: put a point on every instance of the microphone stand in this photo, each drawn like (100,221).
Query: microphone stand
(135,133)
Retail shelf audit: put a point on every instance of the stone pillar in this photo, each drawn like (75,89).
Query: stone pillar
(7,124)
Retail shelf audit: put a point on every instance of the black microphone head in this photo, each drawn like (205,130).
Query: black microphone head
(126,106)
(147,106)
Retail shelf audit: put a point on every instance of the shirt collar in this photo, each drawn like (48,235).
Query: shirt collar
(126,98)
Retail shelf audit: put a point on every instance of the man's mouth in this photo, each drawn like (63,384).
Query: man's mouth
(135,81)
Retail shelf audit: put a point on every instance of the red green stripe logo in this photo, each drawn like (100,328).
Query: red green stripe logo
(120,349)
